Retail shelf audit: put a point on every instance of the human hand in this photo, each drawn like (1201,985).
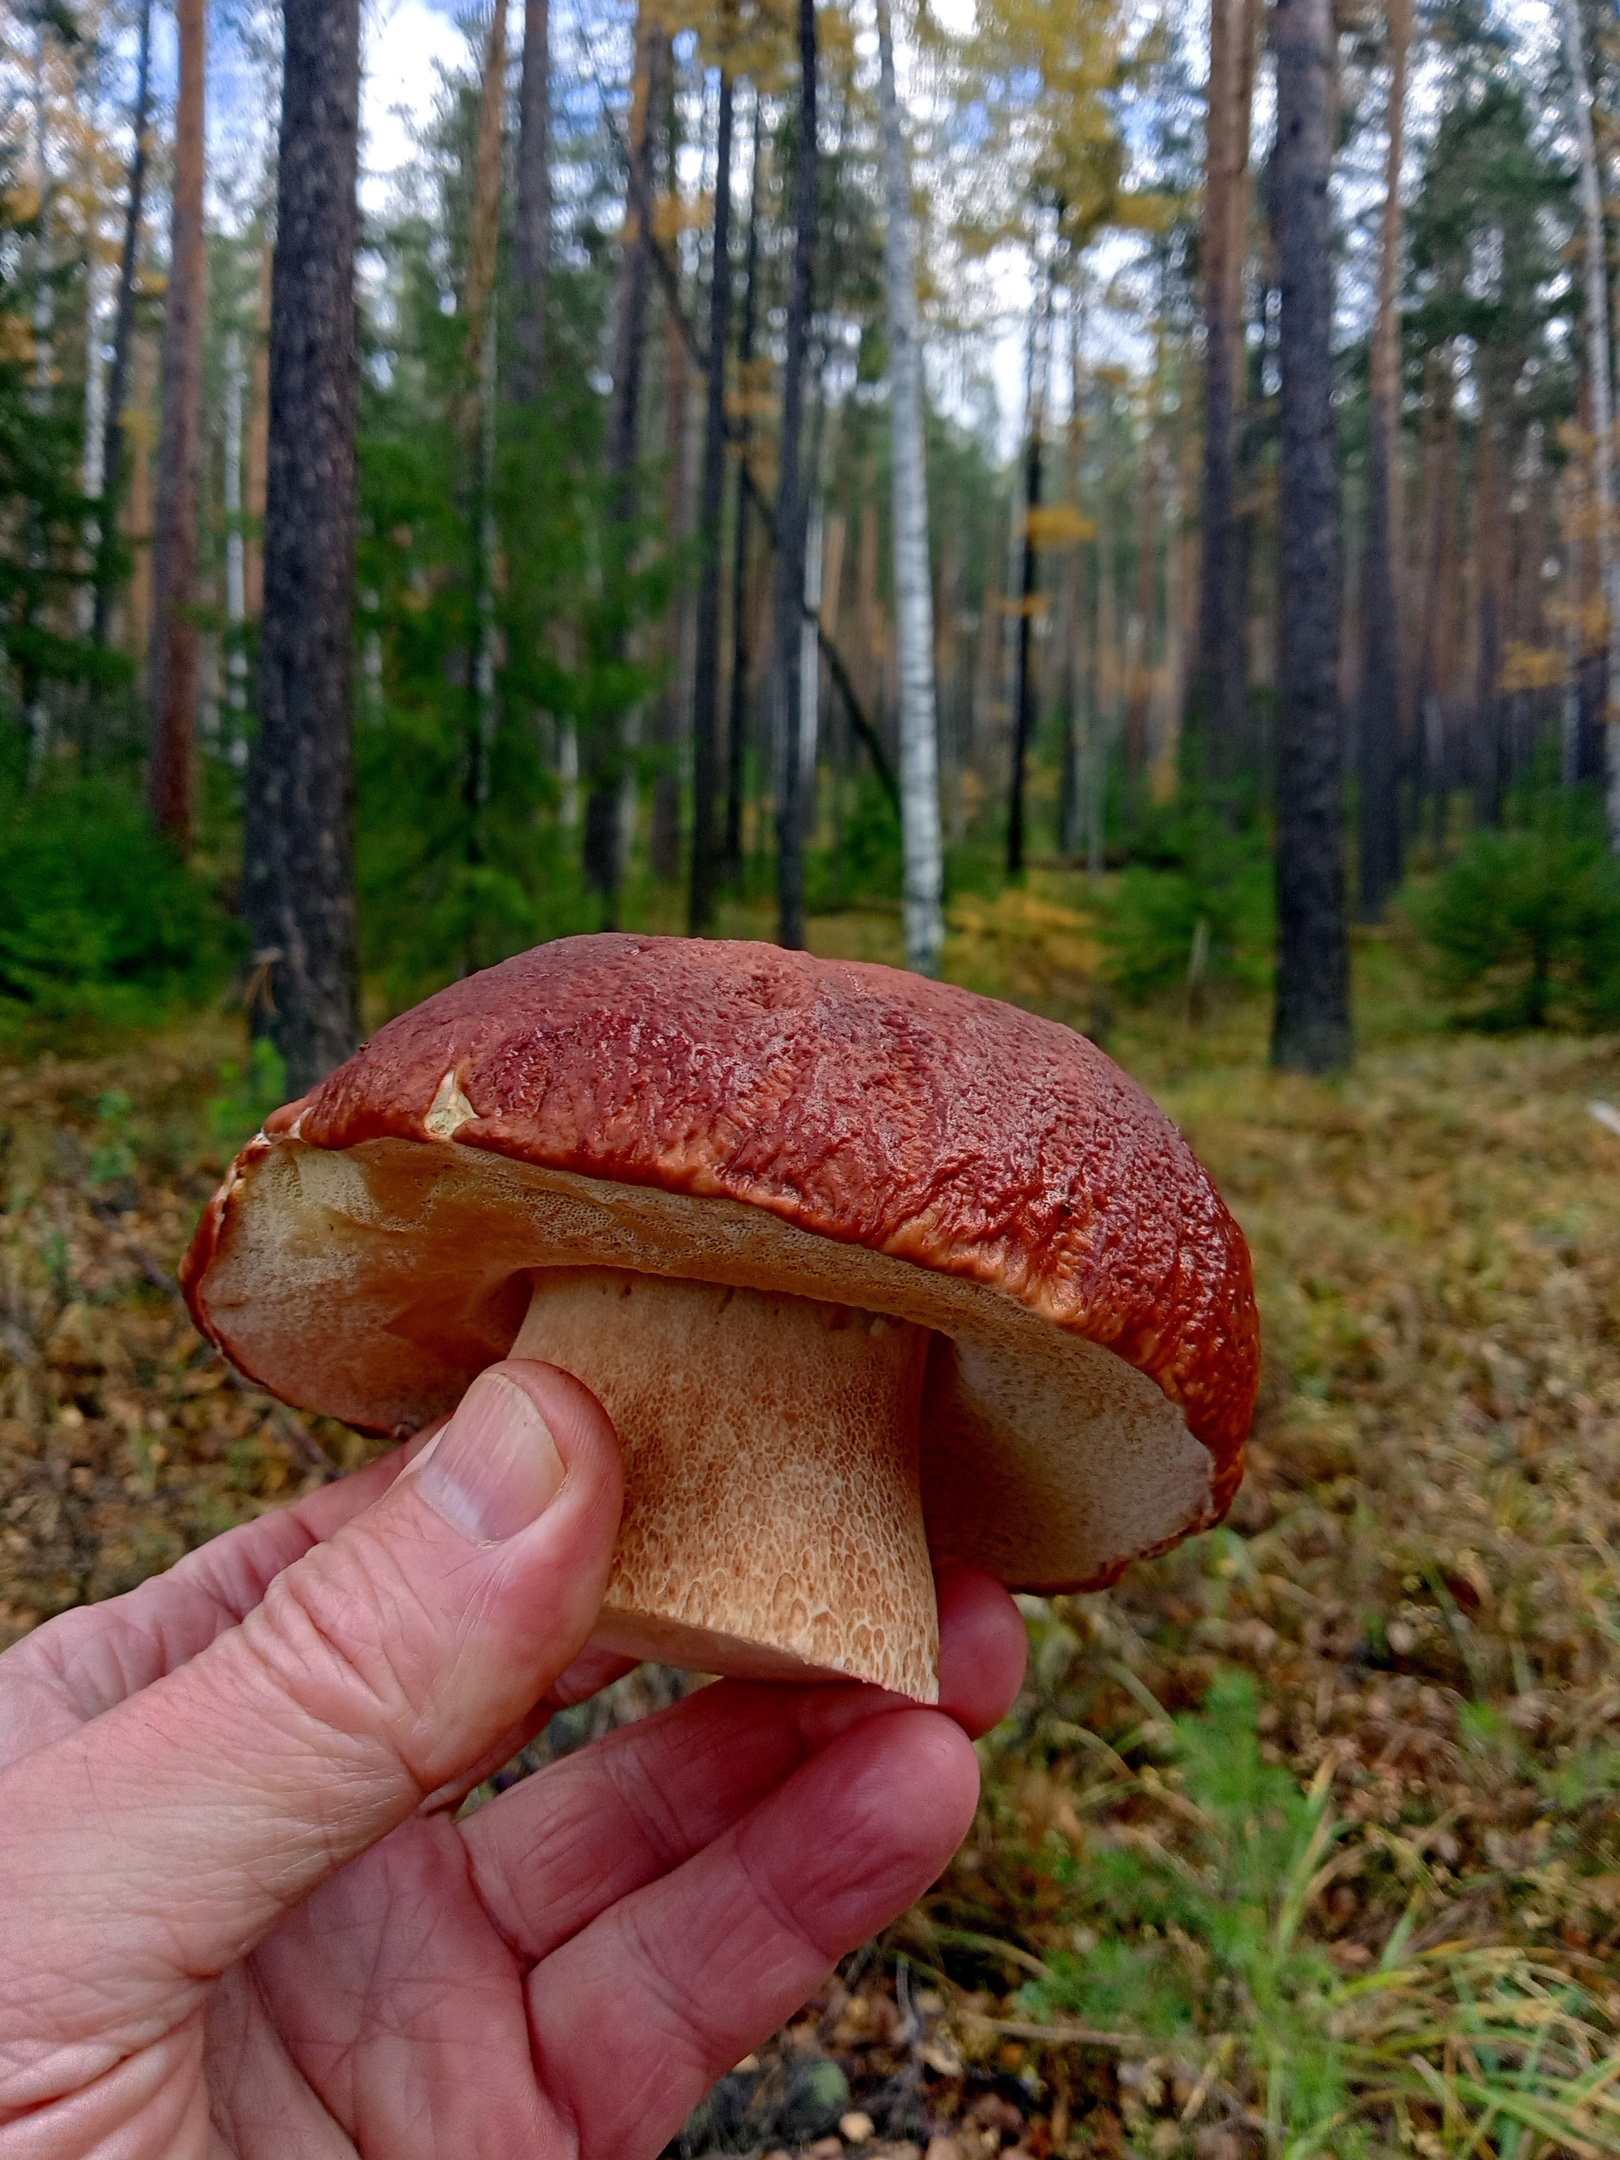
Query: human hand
(237,1915)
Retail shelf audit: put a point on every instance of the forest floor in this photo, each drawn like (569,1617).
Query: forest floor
(1305,1839)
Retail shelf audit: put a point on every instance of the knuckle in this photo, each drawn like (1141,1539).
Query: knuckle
(344,1638)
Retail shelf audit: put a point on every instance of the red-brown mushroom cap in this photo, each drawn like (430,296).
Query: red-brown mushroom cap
(741,1114)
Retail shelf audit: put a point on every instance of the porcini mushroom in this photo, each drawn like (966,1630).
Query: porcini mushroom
(872,1275)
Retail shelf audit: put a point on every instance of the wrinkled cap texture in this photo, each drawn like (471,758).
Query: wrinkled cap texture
(742,1113)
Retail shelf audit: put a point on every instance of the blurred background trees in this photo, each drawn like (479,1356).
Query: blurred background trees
(784,463)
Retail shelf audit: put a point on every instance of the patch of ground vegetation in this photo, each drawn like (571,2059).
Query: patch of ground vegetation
(1303,1840)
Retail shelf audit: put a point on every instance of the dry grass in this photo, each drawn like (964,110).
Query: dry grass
(1376,1909)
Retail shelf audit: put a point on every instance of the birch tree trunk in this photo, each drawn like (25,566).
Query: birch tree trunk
(1602,394)
(921,846)
(112,455)
(706,673)
(789,594)
(1381,669)
(531,237)
(298,880)
(173,674)
(1311,1027)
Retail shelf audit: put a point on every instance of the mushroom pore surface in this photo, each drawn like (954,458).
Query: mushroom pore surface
(773,1516)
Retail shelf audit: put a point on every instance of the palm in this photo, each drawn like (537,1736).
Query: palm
(567,1969)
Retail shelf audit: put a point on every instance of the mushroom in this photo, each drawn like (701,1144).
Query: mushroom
(873,1275)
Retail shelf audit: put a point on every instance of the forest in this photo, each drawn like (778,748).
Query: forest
(1108,503)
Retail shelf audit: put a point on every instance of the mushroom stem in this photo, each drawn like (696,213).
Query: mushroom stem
(773,1521)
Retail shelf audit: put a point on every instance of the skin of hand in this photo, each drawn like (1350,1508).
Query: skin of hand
(239,1917)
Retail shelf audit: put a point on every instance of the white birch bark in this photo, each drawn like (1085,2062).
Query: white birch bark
(913,587)
(1598,368)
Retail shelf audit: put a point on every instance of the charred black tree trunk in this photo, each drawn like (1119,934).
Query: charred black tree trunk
(706,680)
(1311,1028)
(790,508)
(737,724)
(298,882)
(531,237)
(112,450)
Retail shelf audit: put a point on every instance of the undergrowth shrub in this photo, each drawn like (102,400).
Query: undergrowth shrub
(99,920)
(1205,1951)
(247,1095)
(1524,926)
(1194,910)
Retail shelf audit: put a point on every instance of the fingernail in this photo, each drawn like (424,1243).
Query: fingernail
(495,1468)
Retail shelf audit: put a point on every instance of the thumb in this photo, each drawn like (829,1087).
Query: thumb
(168,1835)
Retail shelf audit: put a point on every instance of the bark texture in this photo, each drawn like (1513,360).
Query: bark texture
(1601,384)
(112,452)
(1221,691)
(298,875)
(789,592)
(706,675)
(174,666)
(481,359)
(1381,668)
(737,724)
(605,746)
(531,237)
(1024,650)
(1311,1029)
(923,874)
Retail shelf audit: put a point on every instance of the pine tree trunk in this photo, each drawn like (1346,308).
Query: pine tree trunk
(258,441)
(1491,461)
(481,359)
(236,666)
(1023,700)
(921,845)
(173,675)
(678,627)
(531,238)
(1221,690)
(1138,690)
(790,537)
(1311,1029)
(112,453)
(737,718)
(706,675)
(604,748)
(298,879)
(1381,669)
(1572,578)
(1076,731)
(1601,381)
(1439,566)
